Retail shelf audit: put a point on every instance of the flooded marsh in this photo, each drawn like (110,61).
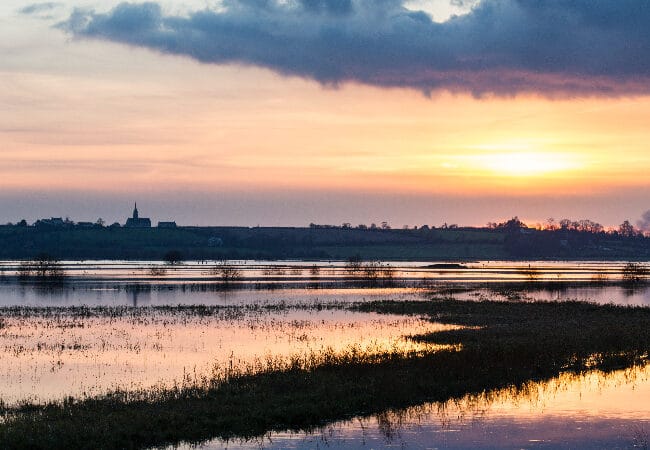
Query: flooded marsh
(287,360)
(50,353)
(110,283)
(593,410)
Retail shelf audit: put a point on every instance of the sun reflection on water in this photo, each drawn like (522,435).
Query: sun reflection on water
(587,410)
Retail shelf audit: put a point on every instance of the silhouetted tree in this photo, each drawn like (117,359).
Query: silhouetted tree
(512,225)
(227,271)
(634,273)
(353,264)
(42,268)
(626,229)
(173,257)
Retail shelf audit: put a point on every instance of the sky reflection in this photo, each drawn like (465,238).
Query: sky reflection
(48,354)
(594,410)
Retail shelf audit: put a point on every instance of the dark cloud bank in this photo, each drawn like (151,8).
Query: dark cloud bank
(38,8)
(555,48)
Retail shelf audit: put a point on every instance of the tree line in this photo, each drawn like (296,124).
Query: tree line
(625,229)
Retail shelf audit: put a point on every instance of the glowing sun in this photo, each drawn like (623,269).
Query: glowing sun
(525,164)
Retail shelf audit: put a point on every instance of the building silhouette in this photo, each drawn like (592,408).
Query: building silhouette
(167,225)
(136,221)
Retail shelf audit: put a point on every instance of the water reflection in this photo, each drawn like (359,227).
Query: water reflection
(109,294)
(144,294)
(104,283)
(139,294)
(323,271)
(51,353)
(591,410)
(605,294)
(50,348)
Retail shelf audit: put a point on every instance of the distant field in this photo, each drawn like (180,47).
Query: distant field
(312,244)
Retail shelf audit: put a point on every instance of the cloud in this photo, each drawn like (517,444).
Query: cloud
(38,8)
(644,223)
(554,48)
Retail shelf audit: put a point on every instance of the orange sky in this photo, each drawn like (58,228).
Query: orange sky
(99,134)
(125,123)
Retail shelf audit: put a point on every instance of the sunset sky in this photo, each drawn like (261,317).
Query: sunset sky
(271,112)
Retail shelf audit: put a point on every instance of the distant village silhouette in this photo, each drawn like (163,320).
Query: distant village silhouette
(135,221)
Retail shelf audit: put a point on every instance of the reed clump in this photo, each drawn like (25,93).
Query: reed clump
(43,268)
(372,272)
(227,273)
(634,273)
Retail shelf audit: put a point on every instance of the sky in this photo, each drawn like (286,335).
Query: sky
(287,112)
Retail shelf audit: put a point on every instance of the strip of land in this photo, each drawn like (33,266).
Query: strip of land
(197,243)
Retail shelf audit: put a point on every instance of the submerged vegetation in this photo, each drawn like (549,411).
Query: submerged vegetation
(500,344)
(634,273)
(372,272)
(228,273)
(43,268)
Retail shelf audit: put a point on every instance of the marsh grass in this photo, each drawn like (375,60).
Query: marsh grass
(157,271)
(503,345)
(530,273)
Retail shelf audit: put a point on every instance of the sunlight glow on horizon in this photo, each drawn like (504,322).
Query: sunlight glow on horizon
(524,163)
(104,119)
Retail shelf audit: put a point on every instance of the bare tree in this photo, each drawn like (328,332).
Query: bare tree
(353,264)
(228,272)
(551,224)
(634,273)
(173,257)
(626,229)
(42,268)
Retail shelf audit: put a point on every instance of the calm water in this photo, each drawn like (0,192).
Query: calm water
(48,350)
(592,411)
(300,271)
(109,283)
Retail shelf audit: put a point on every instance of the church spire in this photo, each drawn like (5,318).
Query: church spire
(136,221)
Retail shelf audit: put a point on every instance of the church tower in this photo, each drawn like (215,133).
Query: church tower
(136,221)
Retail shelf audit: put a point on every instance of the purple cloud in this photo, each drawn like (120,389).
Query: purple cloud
(554,48)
